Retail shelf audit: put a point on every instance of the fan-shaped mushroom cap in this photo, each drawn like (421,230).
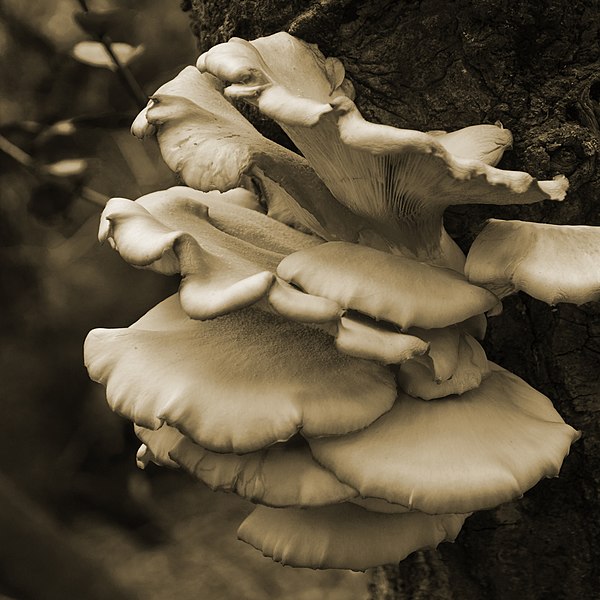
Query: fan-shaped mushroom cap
(237,383)
(294,304)
(457,454)
(288,79)
(358,337)
(385,286)
(554,263)
(281,475)
(344,536)
(226,254)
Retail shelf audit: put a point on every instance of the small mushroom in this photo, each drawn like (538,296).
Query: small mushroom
(238,383)
(365,339)
(344,536)
(221,275)
(227,260)
(553,263)
(273,87)
(296,305)
(442,357)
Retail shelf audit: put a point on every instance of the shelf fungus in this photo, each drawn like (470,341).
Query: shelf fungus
(321,358)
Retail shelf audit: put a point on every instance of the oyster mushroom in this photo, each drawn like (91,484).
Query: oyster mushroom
(320,358)
(445,371)
(238,383)
(385,286)
(457,454)
(344,536)
(553,263)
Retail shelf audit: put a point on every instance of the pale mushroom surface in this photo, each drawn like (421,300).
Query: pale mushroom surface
(193,375)
(385,286)
(320,358)
(486,143)
(397,177)
(468,367)
(206,141)
(344,536)
(457,454)
(281,475)
(553,263)
(358,337)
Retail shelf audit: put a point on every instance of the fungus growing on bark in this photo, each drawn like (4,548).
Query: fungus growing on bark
(554,263)
(320,358)
(344,536)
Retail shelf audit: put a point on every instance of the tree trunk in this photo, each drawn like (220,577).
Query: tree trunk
(534,66)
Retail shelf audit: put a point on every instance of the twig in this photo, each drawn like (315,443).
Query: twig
(17,154)
(125,75)
(93,197)
(26,160)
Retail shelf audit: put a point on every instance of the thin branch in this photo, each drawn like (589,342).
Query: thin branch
(124,73)
(93,197)
(26,160)
(17,154)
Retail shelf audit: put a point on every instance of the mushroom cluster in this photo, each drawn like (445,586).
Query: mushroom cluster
(321,358)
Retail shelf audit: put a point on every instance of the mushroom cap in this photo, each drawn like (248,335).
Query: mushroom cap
(457,454)
(443,353)
(344,536)
(406,292)
(226,254)
(281,475)
(267,71)
(553,263)
(237,383)
(294,304)
(364,339)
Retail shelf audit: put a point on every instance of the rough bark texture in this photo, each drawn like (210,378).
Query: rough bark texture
(534,66)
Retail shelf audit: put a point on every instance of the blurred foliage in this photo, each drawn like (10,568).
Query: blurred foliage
(64,148)
(77,520)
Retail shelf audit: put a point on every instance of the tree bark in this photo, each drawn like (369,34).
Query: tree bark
(534,65)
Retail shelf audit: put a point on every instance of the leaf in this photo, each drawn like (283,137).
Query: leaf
(96,55)
(70,167)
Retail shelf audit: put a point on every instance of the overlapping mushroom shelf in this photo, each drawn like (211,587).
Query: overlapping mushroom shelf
(297,403)
(321,358)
